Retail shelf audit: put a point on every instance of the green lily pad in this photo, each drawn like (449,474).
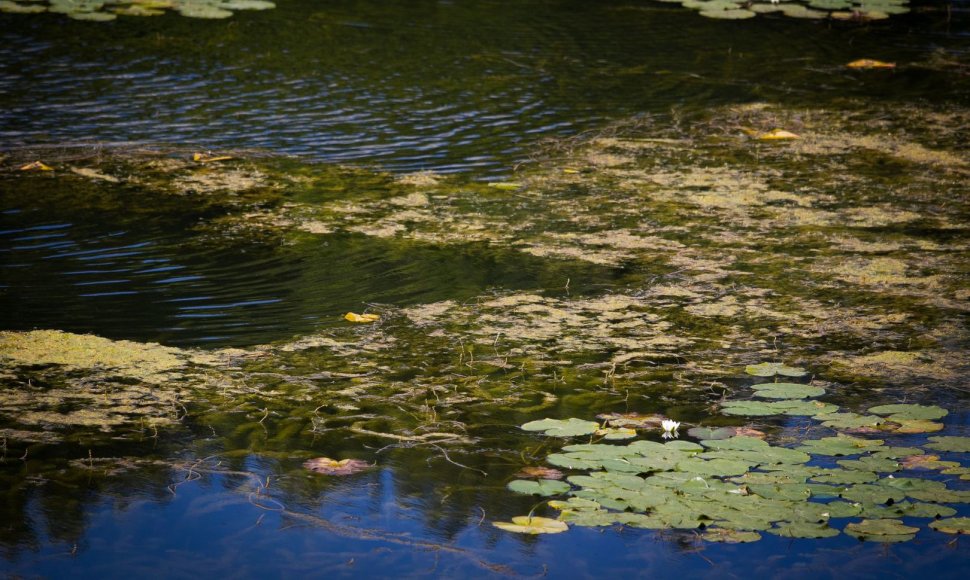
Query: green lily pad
(914,425)
(573,461)
(711,432)
(532,525)
(896,452)
(769,369)
(842,509)
(784,491)
(952,525)
(643,521)
(881,530)
(574,504)
(543,487)
(738,14)
(870,493)
(764,457)
(684,446)
(728,536)
(718,467)
(845,476)
(839,445)
(950,443)
(849,420)
(788,407)
(921,412)
(787,391)
(616,433)
(803,530)
(908,510)
(870,463)
(571,427)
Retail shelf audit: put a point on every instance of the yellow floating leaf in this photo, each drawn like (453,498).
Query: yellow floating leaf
(352,317)
(869,63)
(206,158)
(36,166)
(532,525)
(777,135)
(570,171)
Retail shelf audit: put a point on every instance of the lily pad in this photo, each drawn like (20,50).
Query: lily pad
(927,462)
(881,530)
(728,536)
(870,463)
(922,412)
(712,432)
(540,472)
(769,369)
(632,420)
(758,408)
(952,525)
(571,427)
(839,445)
(717,467)
(787,391)
(616,433)
(914,425)
(845,476)
(849,420)
(803,530)
(327,466)
(873,494)
(532,525)
(543,487)
(950,443)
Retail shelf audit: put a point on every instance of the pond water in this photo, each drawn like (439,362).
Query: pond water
(557,210)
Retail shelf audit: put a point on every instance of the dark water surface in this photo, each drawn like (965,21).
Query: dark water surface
(463,87)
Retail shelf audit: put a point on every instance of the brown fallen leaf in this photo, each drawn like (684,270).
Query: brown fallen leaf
(539,473)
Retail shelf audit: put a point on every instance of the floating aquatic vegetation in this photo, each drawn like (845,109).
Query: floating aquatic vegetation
(735,486)
(532,525)
(861,10)
(786,391)
(769,369)
(786,407)
(35,166)
(540,472)
(882,530)
(562,428)
(544,487)
(361,318)
(949,443)
(952,525)
(632,420)
(870,63)
(105,10)
(909,412)
(327,466)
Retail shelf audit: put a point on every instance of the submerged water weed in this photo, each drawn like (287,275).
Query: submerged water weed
(735,487)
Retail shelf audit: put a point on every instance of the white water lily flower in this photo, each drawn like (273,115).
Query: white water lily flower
(670,428)
(669,425)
